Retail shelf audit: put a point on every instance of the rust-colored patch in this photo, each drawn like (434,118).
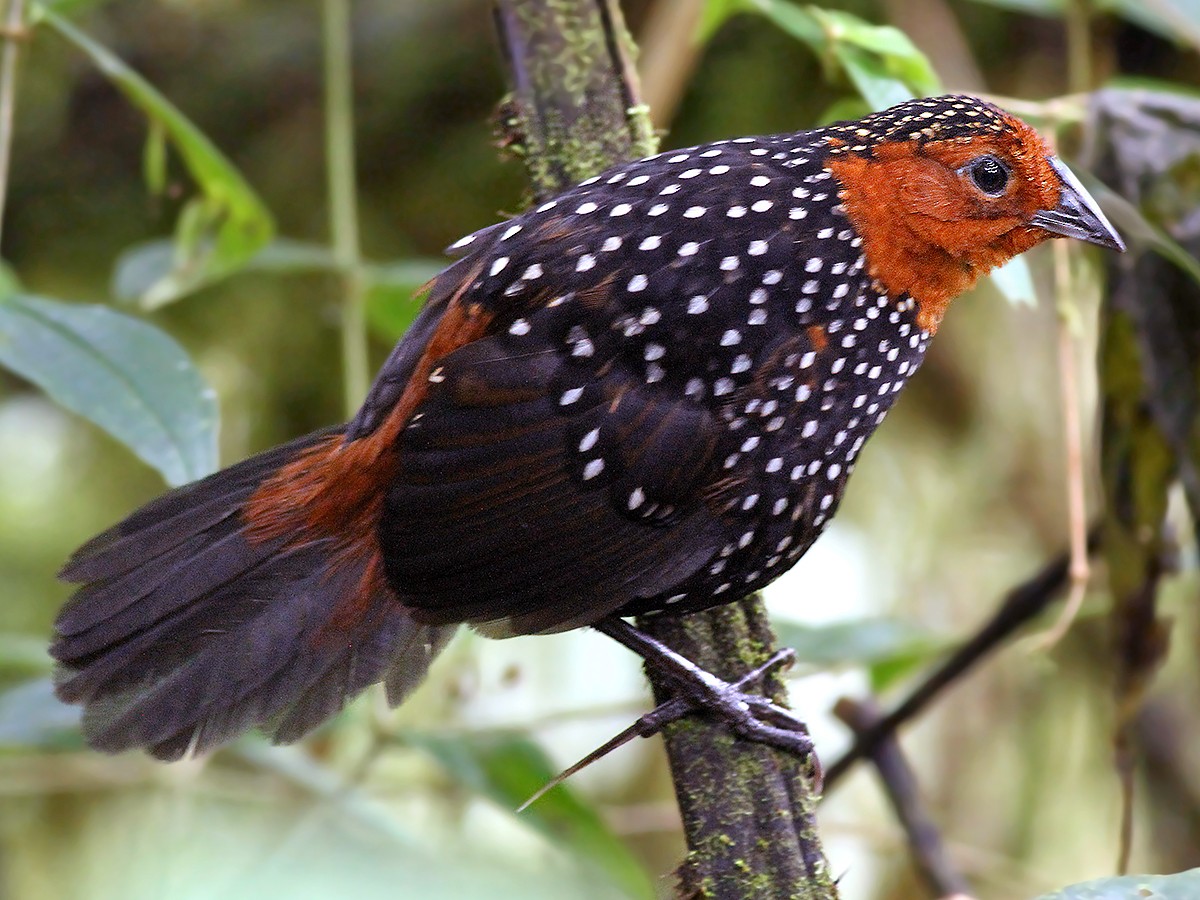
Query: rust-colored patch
(334,490)
(817,338)
(926,230)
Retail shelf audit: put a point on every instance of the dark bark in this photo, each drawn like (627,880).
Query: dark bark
(747,810)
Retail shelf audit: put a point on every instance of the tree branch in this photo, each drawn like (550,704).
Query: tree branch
(747,810)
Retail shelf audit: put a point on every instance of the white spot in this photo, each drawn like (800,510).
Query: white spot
(682,157)
(636,498)
(797,213)
(757,248)
(637,283)
(547,206)
(589,440)
(729,263)
(813,265)
(757,317)
(621,209)
(750,443)
(587,261)
(592,469)
(610,244)
(810,428)
(748,504)
(689,249)
(740,364)
(697,305)
(745,539)
(655,372)
(775,464)
(519,327)
(736,212)
(534,271)
(462,242)
(653,352)
(694,212)
(761,205)
(499,264)
(651,243)
(723,386)
(657,209)
(690,173)
(584,208)
(694,387)
(510,232)
(718,170)
(758,296)
(668,190)
(649,315)
(760,180)
(779,507)
(639,179)
(833,471)
(569,396)
(730,337)
(808,359)
(772,276)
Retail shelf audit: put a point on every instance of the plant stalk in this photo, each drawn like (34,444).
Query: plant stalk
(14,24)
(343,199)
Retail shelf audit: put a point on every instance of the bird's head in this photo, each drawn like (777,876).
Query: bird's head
(944,189)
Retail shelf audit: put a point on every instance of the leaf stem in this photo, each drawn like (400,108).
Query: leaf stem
(343,198)
(13,34)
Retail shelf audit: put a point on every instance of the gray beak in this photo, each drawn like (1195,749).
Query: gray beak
(1077,214)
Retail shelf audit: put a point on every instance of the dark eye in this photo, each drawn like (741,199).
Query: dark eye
(990,175)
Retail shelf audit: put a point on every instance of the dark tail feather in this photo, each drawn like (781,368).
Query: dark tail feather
(188,630)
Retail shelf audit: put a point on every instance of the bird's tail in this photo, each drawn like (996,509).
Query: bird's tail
(236,602)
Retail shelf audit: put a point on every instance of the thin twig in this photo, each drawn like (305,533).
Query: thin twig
(1022,604)
(14,34)
(924,841)
(343,198)
(1068,369)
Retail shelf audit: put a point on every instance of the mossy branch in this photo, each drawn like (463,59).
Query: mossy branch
(747,809)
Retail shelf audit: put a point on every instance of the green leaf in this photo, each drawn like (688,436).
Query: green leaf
(125,375)
(31,717)
(870,77)
(1015,282)
(143,265)
(889,45)
(1139,231)
(888,648)
(220,230)
(508,769)
(392,301)
(1184,886)
(884,66)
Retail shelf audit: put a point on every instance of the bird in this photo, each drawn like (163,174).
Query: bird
(643,396)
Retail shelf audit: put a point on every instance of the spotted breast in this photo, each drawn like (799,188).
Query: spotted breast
(686,357)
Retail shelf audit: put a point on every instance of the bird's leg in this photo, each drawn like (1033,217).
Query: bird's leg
(656,720)
(752,716)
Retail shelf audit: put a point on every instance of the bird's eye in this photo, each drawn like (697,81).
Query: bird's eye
(989,174)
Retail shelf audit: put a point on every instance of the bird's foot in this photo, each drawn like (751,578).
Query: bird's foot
(676,708)
(751,716)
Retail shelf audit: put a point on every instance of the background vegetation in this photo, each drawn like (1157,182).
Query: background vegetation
(117,198)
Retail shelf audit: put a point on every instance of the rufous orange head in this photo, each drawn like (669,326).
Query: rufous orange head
(944,189)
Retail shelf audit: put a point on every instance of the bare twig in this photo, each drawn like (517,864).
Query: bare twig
(1068,368)
(747,809)
(924,841)
(1022,604)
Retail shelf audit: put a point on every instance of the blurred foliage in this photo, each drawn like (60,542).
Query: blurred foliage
(118,192)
